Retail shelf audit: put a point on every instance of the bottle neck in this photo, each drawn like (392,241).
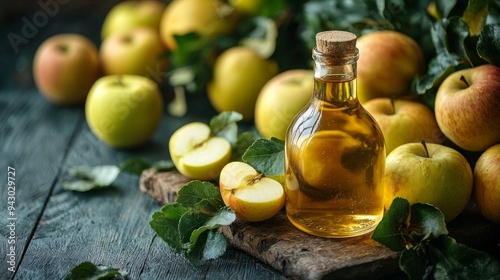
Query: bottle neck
(335,77)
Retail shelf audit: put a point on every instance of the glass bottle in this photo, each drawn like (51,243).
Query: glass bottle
(334,150)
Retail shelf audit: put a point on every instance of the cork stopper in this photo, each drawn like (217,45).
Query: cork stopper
(336,43)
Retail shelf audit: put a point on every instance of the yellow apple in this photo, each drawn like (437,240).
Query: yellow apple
(127,15)
(430,173)
(404,121)
(249,7)
(239,74)
(196,153)
(124,111)
(388,62)
(280,100)
(137,51)
(487,183)
(249,194)
(466,107)
(65,67)
(207,18)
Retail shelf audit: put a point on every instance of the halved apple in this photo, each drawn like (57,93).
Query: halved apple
(249,194)
(197,154)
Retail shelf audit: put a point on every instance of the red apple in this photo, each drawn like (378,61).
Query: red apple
(65,67)
(388,62)
(466,107)
(137,52)
(404,121)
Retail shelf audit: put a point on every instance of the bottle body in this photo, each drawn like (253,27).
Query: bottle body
(334,159)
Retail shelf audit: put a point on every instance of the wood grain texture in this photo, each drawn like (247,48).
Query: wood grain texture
(301,256)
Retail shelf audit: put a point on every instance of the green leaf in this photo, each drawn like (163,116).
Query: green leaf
(475,16)
(453,260)
(134,165)
(215,245)
(90,271)
(163,165)
(188,223)
(488,46)
(225,125)
(266,156)
(225,217)
(244,141)
(196,191)
(166,223)
(91,177)
(389,231)
(414,262)
(426,222)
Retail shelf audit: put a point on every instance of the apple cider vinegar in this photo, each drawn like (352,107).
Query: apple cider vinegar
(334,150)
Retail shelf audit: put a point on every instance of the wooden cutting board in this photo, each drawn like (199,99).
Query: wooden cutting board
(301,256)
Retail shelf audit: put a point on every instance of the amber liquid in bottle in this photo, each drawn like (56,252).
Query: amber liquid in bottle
(334,160)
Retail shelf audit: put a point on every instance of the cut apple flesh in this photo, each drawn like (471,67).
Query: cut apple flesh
(212,150)
(262,191)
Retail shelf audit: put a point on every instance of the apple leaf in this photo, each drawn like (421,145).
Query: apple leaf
(426,222)
(91,177)
(225,125)
(388,231)
(419,233)
(137,165)
(475,16)
(90,271)
(189,225)
(245,140)
(266,156)
(453,260)
(488,45)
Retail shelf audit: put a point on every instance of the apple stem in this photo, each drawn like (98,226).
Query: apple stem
(392,106)
(425,148)
(462,78)
(119,79)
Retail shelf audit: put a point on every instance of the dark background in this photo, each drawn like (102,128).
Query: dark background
(32,23)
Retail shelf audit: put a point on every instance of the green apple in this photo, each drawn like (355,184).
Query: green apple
(197,154)
(404,121)
(207,18)
(65,67)
(127,15)
(428,173)
(137,51)
(124,111)
(466,107)
(249,194)
(388,62)
(280,100)
(487,183)
(239,74)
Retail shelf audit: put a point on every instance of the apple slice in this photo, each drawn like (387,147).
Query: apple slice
(249,194)
(197,154)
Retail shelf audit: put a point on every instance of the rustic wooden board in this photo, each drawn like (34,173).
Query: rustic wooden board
(302,256)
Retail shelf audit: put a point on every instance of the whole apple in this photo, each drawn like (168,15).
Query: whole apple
(487,183)
(64,68)
(239,74)
(429,173)
(137,51)
(207,18)
(196,153)
(249,7)
(388,62)
(124,111)
(252,196)
(280,100)
(127,15)
(404,121)
(466,107)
